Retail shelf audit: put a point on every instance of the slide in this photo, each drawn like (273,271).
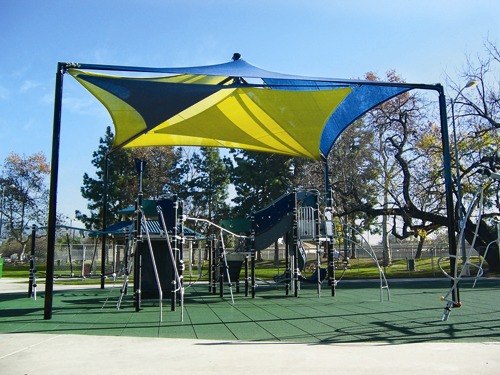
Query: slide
(272,222)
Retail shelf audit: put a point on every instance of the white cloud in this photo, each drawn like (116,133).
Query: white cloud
(4,93)
(47,98)
(28,86)
(81,106)
(30,124)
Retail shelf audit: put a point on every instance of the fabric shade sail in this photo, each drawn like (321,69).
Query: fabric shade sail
(233,105)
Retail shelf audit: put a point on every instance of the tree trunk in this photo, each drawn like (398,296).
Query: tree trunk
(23,250)
(386,249)
(420,245)
(353,244)
(487,235)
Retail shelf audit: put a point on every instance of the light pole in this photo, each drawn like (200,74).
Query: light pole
(1,211)
(469,84)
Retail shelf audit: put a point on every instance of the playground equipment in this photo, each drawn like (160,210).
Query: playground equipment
(156,272)
(297,218)
(228,269)
(154,249)
(487,177)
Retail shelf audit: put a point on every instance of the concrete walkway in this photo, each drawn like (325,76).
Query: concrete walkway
(28,353)
(79,354)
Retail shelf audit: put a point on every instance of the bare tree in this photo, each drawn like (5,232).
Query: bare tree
(24,195)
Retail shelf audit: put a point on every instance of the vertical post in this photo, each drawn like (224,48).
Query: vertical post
(54,175)
(295,248)
(448,193)
(213,249)
(318,244)
(327,185)
(32,281)
(288,271)
(461,221)
(331,266)
(181,268)
(252,265)
(138,279)
(208,251)
(246,275)
(70,259)
(252,257)
(104,220)
(126,259)
(175,247)
(138,237)
(1,210)
(221,267)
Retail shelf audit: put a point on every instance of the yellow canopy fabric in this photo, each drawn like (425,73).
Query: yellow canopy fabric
(206,113)
(215,106)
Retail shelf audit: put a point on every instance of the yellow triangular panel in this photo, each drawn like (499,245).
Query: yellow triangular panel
(278,121)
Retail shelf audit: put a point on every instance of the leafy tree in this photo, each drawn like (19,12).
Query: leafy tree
(24,195)
(209,187)
(159,178)
(353,173)
(202,182)
(120,194)
(399,124)
(123,179)
(413,141)
(477,123)
(412,190)
(259,179)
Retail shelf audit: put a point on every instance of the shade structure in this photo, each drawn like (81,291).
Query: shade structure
(233,105)
(147,109)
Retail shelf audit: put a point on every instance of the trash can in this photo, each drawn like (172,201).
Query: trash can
(1,267)
(410,264)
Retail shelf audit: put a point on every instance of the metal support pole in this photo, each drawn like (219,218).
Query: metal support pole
(318,245)
(327,185)
(54,175)
(1,210)
(461,221)
(252,257)
(208,251)
(295,248)
(252,264)
(246,275)
(222,268)
(104,220)
(449,193)
(213,249)
(70,259)
(32,281)
(288,271)
(175,262)
(331,267)
(137,279)
(181,266)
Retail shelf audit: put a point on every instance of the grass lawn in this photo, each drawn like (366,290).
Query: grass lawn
(357,269)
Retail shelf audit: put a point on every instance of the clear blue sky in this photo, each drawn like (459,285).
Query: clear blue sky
(423,40)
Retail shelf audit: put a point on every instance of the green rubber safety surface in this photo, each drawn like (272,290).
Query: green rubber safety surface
(355,314)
